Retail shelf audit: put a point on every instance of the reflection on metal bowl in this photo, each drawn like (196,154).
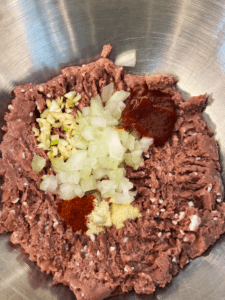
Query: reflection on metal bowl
(184,38)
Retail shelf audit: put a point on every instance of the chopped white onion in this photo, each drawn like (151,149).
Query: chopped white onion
(98,148)
(117,175)
(121,105)
(77,160)
(78,191)
(146,142)
(79,142)
(105,186)
(124,185)
(67,191)
(100,172)
(127,58)
(88,184)
(86,111)
(98,121)
(68,177)
(38,163)
(116,149)
(136,156)
(96,107)
(107,92)
(118,97)
(49,184)
(88,133)
(130,142)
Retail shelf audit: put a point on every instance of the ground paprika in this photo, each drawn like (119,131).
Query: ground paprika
(75,211)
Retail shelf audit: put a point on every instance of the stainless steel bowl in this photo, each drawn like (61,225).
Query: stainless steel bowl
(180,37)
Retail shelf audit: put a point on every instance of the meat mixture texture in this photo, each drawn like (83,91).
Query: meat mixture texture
(180,193)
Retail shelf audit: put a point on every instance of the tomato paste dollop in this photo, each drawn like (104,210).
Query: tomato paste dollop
(151,113)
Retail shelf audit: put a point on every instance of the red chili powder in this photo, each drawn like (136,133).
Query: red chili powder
(75,211)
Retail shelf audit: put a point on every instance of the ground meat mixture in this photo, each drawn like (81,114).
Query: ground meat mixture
(180,193)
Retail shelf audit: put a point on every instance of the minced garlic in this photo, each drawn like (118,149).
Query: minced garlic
(106,214)
(99,217)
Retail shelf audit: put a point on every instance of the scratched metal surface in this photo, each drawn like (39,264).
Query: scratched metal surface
(184,38)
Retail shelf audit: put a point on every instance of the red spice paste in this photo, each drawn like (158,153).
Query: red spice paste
(151,113)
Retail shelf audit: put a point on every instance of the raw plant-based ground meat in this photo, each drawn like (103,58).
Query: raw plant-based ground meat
(179,188)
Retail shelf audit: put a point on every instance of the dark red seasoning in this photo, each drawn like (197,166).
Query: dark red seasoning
(75,211)
(151,113)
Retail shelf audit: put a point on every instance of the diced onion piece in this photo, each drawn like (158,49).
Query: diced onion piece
(121,105)
(68,177)
(137,146)
(77,160)
(146,142)
(78,191)
(117,175)
(98,149)
(103,161)
(136,156)
(105,186)
(110,194)
(66,191)
(124,136)
(83,122)
(127,58)
(100,172)
(133,194)
(119,198)
(130,142)
(114,110)
(118,96)
(136,166)
(128,159)
(49,184)
(97,97)
(124,185)
(112,163)
(98,121)
(86,111)
(85,172)
(79,142)
(91,161)
(107,92)
(38,163)
(58,164)
(88,133)
(96,107)
(116,150)
(88,184)
(110,121)
(97,165)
